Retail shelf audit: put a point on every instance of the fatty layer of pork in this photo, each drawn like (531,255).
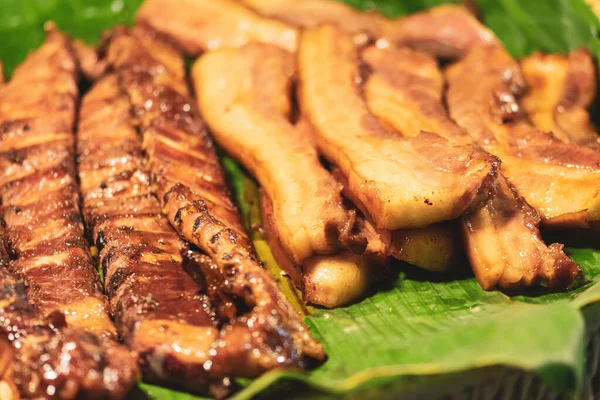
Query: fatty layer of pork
(190,184)
(560,89)
(561,181)
(160,311)
(400,182)
(57,323)
(202,25)
(244,96)
(503,242)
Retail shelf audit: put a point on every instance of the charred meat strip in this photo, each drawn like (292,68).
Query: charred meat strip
(160,311)
(244,96)
(202,25)
(191,186)
(504,245)
(313,13)
(400,182)
(447,31)
(45,358)
(39,191)
(560,89)
(561,181)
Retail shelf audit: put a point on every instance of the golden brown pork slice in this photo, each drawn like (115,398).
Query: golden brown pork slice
(202,25)
(447,31)
(559,180)
(39,190)
(400,182)
(191,187)
(160,312)
(244,96)
(504,244)
(560,89)
(312,13)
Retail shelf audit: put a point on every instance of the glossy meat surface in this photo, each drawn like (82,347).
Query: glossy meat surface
(400,182)
(559,180)
(503,242)
(560,89)
(191,186)
(160,311)
(202,25)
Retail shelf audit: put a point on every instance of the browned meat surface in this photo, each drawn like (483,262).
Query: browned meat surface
(312,13)
(160,311)
(90,63)
(561,181)
(503,242)
(202,25)
(448,31)
(44,358)
(39,191)
(560,89)
(191,186)
(400,182)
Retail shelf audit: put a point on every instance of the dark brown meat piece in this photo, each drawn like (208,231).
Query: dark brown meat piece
(504,244)
(191,186)
(160,311)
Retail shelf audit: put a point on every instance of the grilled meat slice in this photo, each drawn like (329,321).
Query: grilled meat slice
(45,358)
(312,13)
(447,31)
(202,25)
(559,180)
(560,88)
(191,186)
(243,95)
(160,311)
(503,242)
(39,192)
(401,182)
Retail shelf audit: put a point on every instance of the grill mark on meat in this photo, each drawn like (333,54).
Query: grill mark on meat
(160,311)
(52,310)
(152,74)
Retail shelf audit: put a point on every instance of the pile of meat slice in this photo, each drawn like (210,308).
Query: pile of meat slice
(364,148)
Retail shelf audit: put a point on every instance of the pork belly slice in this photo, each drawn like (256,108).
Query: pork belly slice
(46,358)
(402,182)
(161,312)
(559,180)
(447,31)
(39,191)
(503,242)
(313,13)
(560,89)
(202,25)
(191,187)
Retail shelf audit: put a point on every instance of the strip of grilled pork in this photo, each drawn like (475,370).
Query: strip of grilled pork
(560,180)
(190,184)
(401,182)
(503,242)
(202,25)
(560,89)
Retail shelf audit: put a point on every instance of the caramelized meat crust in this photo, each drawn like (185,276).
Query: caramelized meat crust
(559,180)
(560,89)
(191,187)
(400,182)
(202,25)
(503,242)
(160,311)
(39,191)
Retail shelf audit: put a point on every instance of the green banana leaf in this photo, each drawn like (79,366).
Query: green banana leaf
(420,331)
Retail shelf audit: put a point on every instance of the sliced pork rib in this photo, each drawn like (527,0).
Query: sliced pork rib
(504,245)
(560,180)
(560,89)
(191,187)
(52,308)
